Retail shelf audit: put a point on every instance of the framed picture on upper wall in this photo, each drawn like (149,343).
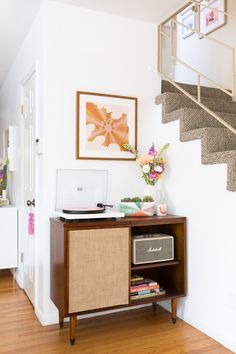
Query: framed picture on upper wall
(187,18)
(212,17)
(104,124)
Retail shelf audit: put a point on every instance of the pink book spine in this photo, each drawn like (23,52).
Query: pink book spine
(143,287)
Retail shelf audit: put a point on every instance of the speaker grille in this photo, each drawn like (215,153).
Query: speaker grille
(152,248)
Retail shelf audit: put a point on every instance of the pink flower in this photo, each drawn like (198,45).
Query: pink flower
(152,151)
(153,176)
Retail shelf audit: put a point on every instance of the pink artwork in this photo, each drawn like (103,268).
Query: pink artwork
(105,123)
(212,17)
(107,126)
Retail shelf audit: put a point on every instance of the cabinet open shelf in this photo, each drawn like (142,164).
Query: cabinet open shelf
(135,267)
(167,296)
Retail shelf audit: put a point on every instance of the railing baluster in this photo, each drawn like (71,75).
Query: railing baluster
(199,88)
(234,77)
(198,19)
(160,47)
(172,37)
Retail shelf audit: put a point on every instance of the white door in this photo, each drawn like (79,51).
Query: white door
(29,187)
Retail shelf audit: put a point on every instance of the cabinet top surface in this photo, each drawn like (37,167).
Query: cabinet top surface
(7,207)
(122,222)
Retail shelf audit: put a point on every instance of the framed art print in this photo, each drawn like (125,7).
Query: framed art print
(104,124)
(211,18)
(187,18)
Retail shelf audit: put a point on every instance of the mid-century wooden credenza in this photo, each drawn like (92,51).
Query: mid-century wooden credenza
(91,264)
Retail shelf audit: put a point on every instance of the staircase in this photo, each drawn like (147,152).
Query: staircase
(218,144)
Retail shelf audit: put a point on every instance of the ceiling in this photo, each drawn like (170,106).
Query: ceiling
(16,17)
(145,10)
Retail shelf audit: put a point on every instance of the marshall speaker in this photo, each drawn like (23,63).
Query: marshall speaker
(152,248)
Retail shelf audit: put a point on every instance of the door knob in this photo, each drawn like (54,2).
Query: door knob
(31,202)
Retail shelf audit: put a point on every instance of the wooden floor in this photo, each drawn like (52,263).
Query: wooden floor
(139,331)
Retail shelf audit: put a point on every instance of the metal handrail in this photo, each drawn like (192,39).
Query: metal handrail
(212,39)
(210,8)
(196,3)
(194,70)
(197,100)
(213,114)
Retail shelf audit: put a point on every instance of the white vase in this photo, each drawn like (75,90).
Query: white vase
(4,194)
(150,190)
(160,194)
(156,192)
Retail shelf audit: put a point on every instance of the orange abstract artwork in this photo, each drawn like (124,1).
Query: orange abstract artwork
(107,123)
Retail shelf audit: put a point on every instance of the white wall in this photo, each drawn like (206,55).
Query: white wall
(92,51)
(206,56)
(199,192)
(30,55)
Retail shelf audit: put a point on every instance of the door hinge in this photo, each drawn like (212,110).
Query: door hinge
(22,257)
(22,109)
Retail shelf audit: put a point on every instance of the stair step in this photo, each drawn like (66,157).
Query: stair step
(213,139)
(198,118)
(218,143)
(192,89)
(173,101)
(192,118)
(221,156)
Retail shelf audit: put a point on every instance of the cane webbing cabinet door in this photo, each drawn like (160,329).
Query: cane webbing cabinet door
(98,265)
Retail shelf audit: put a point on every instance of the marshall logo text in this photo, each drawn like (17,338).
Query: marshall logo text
(152,249)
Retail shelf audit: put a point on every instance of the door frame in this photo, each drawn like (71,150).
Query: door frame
(32,71)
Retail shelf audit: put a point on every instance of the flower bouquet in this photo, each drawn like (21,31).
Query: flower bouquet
(152,164)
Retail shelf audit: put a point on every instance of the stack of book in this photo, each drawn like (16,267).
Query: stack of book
(143,288)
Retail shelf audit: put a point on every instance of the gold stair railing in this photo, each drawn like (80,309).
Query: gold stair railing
(161,33)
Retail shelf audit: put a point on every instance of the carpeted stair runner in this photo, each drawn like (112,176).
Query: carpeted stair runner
(218,144)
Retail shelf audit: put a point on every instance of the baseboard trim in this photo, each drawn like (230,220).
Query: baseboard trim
(45,319)
(48,320)
(217,336)
(201,326)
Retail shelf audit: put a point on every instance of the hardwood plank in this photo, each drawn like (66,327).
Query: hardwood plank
(139,331)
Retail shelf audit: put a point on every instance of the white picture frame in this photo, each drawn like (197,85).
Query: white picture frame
(210,19)
(187,18)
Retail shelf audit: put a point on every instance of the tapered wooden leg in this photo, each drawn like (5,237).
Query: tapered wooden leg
(154,306)
(173,309)
(73,321)
(61,320)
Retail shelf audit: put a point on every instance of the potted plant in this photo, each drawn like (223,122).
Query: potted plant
(137,206)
